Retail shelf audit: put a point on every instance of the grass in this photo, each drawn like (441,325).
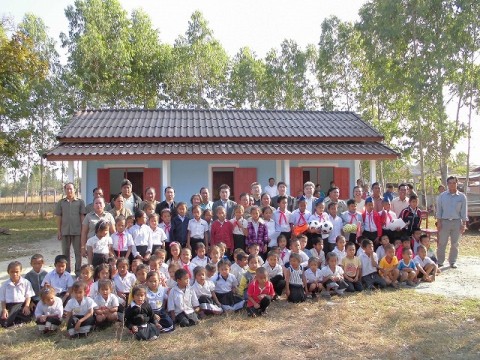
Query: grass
(24,232)
(388,324)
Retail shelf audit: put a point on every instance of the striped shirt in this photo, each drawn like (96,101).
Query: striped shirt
(296,276)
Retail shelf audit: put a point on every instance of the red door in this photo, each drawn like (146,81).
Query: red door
(103,181)
(242,180)
(296,181)
(341,177)
(151,178)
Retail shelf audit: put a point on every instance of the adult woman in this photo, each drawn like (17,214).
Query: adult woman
(196,199)
(119,207)
(265,201)
(91,219)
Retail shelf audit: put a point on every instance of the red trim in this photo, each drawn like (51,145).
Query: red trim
(341,177)
(151,177)
(103,181)
(242,180)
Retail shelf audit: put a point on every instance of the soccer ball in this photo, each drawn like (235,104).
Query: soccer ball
(326,227)
(314,224)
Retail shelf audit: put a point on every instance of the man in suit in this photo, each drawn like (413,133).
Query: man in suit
(168,203)
(224,192)
(282,191)
(308,189)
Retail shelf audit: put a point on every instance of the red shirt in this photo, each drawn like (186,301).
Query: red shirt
(254,291)
(222,233)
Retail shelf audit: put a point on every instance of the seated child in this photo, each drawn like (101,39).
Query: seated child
(332,275)
(425,241)
(86,275)
(275,273)
(175,251)
(248,275)
(226,288)
(425,266)
(340,248)
(112,264)
(161,255)
(141,275)
(214,255)
(415,241)
(201,259)
(254,249)
(239,267)
(102,272)
(223,251)
(295,249)
(171,283)
(352,270)
(123,281)
(407,268)
(369,260)
(185,257)
(303,244)
(36,276)
(388,266)
(183,304)
(79,312)
(139,316)
(157,297)
(384,241)
(313,278)
(59,279)
(259,294)
(205,291)
(211,271)
(294,284)
(15,295)
(135,263)
(406,244)
(106,303)
(49,311)
(317,251)
(155,265)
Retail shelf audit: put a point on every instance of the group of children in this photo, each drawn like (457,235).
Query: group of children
(129,279)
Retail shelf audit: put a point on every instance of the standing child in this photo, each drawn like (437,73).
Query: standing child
(369,260)
(337,222)
(281,216)
(372,223)
(248,275)
(273,234)
(425,241)
(142,237)
(49,311)
(333,276)
(411,215)
(106,304)
(352,217)
(99,247)
(239,227)
(388,266)
(158,235)
(197,230)
(226,288)
(415,243)
(15,295)
(301,215)
(129,222)
(275,273)
(352,270)
(183,304)
(257,231)
(59,279)
(388,217)
(157,295)
(208,217)
(425,266)
(180,222)
(166,225)
(205,291)
(222,229)
(36,276)
(313,278)
(259,294)
(407,268)
(139,316)
(122,241)
(294,284)
(321,216)
(79,312)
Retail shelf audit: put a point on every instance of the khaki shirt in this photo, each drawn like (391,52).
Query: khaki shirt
(125,212)
(91,220)
(70,211)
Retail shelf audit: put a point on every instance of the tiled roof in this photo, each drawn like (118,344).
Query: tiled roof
(191,150)
(208,125)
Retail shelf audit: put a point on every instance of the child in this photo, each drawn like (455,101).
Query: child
(340,248)
(226,288)
(425,241)
(112,264)
(223,249)
(301,215)
(155,264)
(352,270)
(180,222)
(388,216)
(99,247)
(86,275)
(254,249)
(321,216)
(284,252)
(239,227)
(214,255)
(332,275)
(411,215)
(317,251)
(157,295)
(208,217)
(122,241)
(351,216)
(36,276)
(425,266)
(79,312)
(239,267)
(369,260)
(185,257)
(172,268)
(158,235)
(59,279)
(372,223)
(166,224)
(337,222)
(388,266)
(295,249)
(175,251)
(294,284)
(267,214)
(384,241)
(139,316)
(407,268)
(149,209)
(49,311)
(161,254)
(222,230)
(197,230)
(248,275)
(106,303)
(303,244)
(123,281)
(257,231)
(259,294)
(183,304)
(313,278)
(102,272)
(201,259)
(211,271)
(205,291)
(417,233)
(142,237)
(281,216)
(406,244)
(15,295)
(141,278)
(275,273)
(129,222)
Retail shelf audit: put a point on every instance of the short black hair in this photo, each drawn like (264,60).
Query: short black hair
(180,273)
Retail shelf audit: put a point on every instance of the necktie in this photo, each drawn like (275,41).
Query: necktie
(187,268)
(120,243)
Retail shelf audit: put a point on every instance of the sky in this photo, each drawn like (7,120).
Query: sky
(259,24)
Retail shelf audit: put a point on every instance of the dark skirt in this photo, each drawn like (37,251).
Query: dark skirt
(146,332)
(238,242)
(15,315)
(98,259)
(297,293)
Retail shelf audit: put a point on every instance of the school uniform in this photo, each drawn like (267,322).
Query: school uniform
(355,219)
(272,233)
(204,295)
(165,205)
(291,202)
(77,311)
(182,302)
(101,249)
(14,297)
(179,230)
(142,240)
(36,282)
(311,236)
(110,302)
(229,205)
(310,204)
(304,262)
(257,234)
(330,242)
(225,295)
(370,276)
(297,292)
(282,223)
(329,283)
(123,285)
(156,301)
(284,254)
(197,229)
(121,242)
(53,313)
(341,254)
(158,238)
(94,289)
(237,271)
(143,318)
(60,283)
(422,263)
(238,232)
(372,226)
(254,291)
(166,229)
(222,232)
(298,218)
(320,256)
(388,217)
(196,261)
(313,277)
(275,275)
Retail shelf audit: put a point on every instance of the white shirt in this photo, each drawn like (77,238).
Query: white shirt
(340,254)
(158,236)
(304,257)
(367,267)
(116,243)
(60,283)
(203,290)
(389,217)
(297,219)
(100,246)
(197,228)
(156,299)
(398,205)
(54,310)
(272,272)
(110,302)
(337,223)
(142,235)
(237,230)
(129,203)
(223,286)
(380,252)
(321,256)
(80,309)
(311,277)
(282,223)
(272,233)
(94,289)
(237,271)
(271,190)
(16,293)
(125,284)
(166,230)
(182,300)
(326,271)
(370,222)
(196,261)
(426,261)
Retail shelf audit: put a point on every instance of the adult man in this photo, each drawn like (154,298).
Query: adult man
(308,189)
(132,200)
(400,202)
(149,198)
(271,188)
(282,191)
(97,193)
(334,197)
(224,192)
(206,203)
(168,203)
(451,221)
(70,212)
(256,193)
(377,197)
